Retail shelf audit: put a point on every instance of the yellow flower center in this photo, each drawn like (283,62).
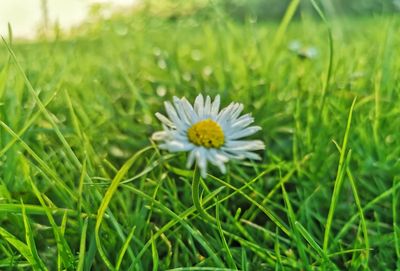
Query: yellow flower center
(206,133)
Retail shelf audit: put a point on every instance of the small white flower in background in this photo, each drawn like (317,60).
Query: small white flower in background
(302,51)
(310,52)
(294,45)
(207,133)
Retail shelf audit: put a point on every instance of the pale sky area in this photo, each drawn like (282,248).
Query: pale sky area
(26,15)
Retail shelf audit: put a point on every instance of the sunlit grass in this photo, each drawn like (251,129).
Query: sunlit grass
(82,186)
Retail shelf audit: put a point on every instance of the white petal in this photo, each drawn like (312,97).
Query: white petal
(191,114)
(228,116)
(243,145)
(165,120)
(160,135)
(179,136)
(243,121)
(171,112)
(215,106)
(222,168)
(232,155)
(238,124)
(240,155)
(237,112)
(225,113)
(207,107)
(180,110)
(191,158)
(177,146)
(244,132)
(220,156)
(201,157)
(218,160)
(245,116)
(199,105)
(251,155)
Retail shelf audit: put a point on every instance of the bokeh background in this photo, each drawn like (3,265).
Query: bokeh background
(30,19)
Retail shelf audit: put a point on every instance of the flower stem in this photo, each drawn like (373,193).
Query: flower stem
(196,198)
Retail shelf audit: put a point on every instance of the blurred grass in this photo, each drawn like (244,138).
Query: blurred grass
(82,106)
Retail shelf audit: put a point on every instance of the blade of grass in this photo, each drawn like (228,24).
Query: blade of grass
(66,198)
(62,232)
(43,109)
(266,211)
(82,247)
(154,253)
(176,218)
(338,180)
(292,219)
(124,248)
(3,79)
(278,264)
(244,260)
(366,207)
(396,228)
(230,260)
(290,11)
(39,210)
(39,265)
(62,245)
(362,217)
(283,180)
(19,246)
(325,87)
(306,235)
(106,201)
(27,125)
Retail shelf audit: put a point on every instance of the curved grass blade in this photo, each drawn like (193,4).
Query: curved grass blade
(20,246)
(230,260)
(124,248)
(267,212)
(306,235)
(106,201)
(30,241)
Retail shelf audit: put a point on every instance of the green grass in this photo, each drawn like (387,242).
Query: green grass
(82,187)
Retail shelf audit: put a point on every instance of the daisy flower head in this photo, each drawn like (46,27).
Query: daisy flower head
(209,134)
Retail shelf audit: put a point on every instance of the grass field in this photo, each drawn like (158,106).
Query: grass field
(82,187)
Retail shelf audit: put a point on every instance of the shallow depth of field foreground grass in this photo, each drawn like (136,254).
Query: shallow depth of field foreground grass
(83,187)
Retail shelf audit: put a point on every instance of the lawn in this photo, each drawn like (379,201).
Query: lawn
(83,186)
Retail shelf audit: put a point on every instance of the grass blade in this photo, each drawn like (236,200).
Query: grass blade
(39,265)
(106,201)
(62,245)
(124,248)
(20,246)
(82,247)
(292,219)
(362,217)
(230,260)
(339,180)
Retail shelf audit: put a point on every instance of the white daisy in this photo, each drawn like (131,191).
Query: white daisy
(209,134)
